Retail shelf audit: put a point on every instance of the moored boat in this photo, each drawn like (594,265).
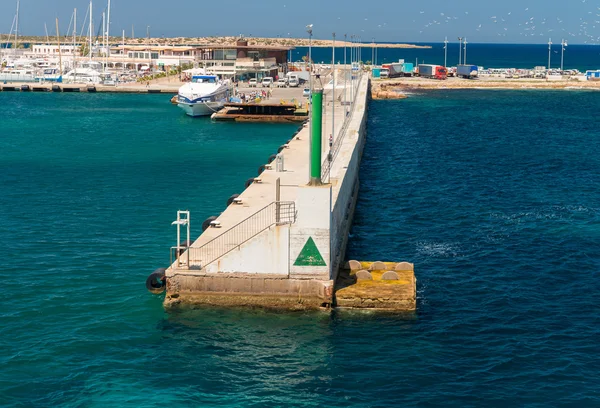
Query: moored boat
(204,95)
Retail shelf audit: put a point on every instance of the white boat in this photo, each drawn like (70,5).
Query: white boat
(204,95)
(17,75)
(49,75)
(83,75)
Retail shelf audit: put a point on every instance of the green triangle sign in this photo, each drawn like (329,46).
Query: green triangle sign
(310,255)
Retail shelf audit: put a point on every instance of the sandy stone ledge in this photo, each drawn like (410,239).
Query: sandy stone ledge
(396,88)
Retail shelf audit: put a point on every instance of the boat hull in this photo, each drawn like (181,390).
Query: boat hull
(200,108)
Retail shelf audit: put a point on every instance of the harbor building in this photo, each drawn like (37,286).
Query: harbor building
(240,61)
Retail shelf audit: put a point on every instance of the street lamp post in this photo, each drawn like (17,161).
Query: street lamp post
(352,56)
(333,93)
(459,50)
(465,56)
(373,53)
(359,50)
(549,51)
(309,31)
(445,52)
(345,69)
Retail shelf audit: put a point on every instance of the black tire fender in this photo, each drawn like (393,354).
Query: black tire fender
(206,223)
(157,281)
(230,199)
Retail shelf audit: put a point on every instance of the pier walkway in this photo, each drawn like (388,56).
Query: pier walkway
(281,241)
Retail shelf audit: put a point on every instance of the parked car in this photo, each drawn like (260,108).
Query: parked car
(282,83)
(293,81)
(306,92)
(267,82)
(252,83)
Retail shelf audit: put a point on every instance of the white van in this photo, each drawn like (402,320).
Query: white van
(293,81)
(267,82)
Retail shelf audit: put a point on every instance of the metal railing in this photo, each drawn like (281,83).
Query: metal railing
(276,213)
(337,144)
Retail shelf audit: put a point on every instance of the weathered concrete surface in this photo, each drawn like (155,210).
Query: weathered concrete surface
(238,289)
(396,294)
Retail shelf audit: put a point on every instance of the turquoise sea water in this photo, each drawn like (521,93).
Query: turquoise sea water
(493,194)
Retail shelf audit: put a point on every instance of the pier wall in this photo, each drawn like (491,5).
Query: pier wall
(348,181)
(267,253)
(293,265)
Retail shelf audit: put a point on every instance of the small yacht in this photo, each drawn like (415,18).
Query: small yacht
(49,75)
(17,75)
(204,95)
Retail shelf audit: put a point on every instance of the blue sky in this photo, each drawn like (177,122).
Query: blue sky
(506,21)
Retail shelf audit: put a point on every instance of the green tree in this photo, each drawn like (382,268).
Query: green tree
(84,50)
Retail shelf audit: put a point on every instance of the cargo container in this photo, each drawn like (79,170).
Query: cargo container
(467,71)
(432,71)
(399,69)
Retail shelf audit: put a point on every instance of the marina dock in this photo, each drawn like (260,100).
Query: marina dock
(261,112)
(282,241)
(64,87)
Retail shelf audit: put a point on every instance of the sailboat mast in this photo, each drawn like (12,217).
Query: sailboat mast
(59,53)
(91,32)
(108,24)
(123,52)
(17,28)
(103,37)
(74,40)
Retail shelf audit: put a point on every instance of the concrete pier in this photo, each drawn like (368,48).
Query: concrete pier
(281,242)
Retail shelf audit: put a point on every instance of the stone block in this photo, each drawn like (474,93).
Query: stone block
(363,274)
(390,275)
(377,266)
(405,266)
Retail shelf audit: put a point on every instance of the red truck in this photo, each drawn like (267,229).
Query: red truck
(432,71)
